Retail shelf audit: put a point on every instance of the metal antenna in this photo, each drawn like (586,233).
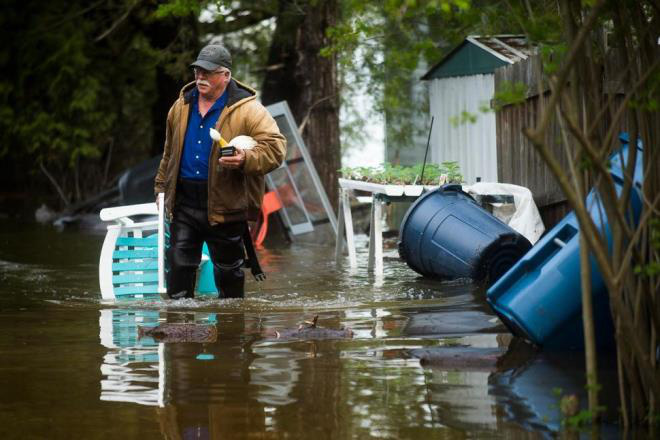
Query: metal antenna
(428,142)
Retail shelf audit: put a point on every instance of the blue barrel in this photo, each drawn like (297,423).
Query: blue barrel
(445,234)
(540,298)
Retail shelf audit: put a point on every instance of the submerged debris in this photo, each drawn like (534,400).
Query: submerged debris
(309,330)
(510,353)
(180,333)
(459,358)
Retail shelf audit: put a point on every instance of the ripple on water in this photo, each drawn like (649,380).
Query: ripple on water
(372,385)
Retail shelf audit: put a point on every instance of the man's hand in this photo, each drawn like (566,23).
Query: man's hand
(234,162)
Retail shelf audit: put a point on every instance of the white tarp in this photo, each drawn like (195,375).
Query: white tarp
(525,219)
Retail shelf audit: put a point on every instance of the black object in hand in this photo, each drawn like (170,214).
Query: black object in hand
(228,151)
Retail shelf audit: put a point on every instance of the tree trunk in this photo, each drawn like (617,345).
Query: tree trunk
(307,81)
(170,36)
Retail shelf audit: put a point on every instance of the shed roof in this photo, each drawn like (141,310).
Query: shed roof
(480,54)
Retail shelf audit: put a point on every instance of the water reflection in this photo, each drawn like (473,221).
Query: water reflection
(134,368)
(198,387)
(275,373)
(497,383)
(209,398)
(529,394)
(460,371)
(130,368)
(408,373)
(248,384)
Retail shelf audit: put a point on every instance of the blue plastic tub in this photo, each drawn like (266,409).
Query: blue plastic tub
(539,298)
(445,234)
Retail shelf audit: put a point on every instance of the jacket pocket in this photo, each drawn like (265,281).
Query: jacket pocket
(228,192)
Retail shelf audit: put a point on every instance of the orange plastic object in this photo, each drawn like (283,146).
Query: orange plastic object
(270,204)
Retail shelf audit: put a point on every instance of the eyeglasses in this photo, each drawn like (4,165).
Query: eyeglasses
(203,72)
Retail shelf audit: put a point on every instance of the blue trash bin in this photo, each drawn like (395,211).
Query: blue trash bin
(540,298)
(619,158)
(445,234)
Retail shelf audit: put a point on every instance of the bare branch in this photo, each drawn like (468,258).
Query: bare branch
(610,193)
(567,68)
(41,30)
(625,263)
(52,180)
(567,152)
(301,128)
(594,238)
(116,23)
(269,68)
(624,105)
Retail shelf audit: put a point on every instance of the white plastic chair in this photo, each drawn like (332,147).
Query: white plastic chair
(132,262)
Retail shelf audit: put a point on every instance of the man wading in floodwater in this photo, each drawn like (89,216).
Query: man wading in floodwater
(209,197)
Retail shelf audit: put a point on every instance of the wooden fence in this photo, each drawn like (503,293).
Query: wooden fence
(517,160)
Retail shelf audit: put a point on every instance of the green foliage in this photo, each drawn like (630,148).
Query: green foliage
(655,233)
(179,8)
(453,171)
(552,55)
(77,80)
(465,117)
(85,83)
(389,174)
(245,27)
(384,47)
(510,93)
(582,419)
(569,406)
(595,386)
(60,90)
(649,96)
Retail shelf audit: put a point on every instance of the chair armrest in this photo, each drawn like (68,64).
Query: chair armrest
(117,212)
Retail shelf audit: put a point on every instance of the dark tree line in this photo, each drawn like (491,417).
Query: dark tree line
(82,91)
(85,86)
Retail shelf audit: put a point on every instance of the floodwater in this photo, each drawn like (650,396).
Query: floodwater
(72,366)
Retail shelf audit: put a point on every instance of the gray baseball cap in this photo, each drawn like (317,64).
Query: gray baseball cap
(213,56)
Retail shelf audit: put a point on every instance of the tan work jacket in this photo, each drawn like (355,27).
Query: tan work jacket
(234,195)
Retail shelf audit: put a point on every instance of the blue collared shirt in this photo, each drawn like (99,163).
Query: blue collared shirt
(197,144)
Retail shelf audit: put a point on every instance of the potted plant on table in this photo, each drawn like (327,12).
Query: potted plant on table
(397,180)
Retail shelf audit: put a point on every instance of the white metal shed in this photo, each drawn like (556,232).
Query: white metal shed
(461,84)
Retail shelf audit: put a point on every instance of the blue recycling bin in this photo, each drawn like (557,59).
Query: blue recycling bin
(539,298)
(445,234)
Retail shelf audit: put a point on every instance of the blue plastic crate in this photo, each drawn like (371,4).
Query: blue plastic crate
(539,298)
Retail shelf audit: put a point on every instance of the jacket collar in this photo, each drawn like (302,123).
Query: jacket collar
(238,92)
